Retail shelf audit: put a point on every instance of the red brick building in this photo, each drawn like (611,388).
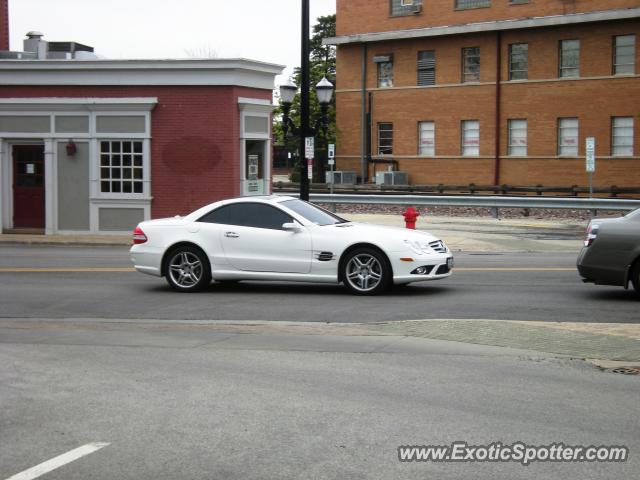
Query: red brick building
(99,145)
(489,91)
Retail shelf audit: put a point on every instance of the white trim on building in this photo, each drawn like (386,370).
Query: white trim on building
(250,109)
(210,72)
(492,26)
(93,109)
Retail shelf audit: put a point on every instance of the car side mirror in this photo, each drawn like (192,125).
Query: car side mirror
(291,227)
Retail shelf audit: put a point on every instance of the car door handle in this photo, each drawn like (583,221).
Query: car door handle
(231,235)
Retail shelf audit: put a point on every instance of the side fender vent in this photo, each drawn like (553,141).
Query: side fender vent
(324,256)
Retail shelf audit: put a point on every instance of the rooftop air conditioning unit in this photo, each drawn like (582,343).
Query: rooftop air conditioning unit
(343,178)
(392,178)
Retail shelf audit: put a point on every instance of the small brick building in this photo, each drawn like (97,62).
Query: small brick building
(489,91)
(99,145)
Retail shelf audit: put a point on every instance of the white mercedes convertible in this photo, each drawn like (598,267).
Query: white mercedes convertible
(279,238)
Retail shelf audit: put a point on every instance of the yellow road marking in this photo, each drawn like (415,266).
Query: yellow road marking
(65,270)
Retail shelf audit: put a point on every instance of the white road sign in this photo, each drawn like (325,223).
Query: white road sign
(591,154)
(309,147)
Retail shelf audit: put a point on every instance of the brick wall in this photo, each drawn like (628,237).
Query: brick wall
(195,146)
(362,16)
(594,98)
(4,24)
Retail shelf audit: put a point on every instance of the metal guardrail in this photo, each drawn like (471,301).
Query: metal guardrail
(611,191)
(493,202)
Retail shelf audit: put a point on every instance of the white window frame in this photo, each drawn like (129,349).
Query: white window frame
(517,142)
(468,77)
(622,136)
(470,138)
(380,146)
(568,141)
(426,65)
(518,74)
(427,144)
(132,167)
(471,4)
(632,55)
(565,71)
(385,74)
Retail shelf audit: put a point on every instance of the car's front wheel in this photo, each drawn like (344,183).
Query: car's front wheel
(187,269)
(366,271)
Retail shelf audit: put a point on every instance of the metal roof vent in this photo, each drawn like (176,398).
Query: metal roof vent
(34,43)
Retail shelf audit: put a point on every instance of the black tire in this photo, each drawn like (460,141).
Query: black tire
(366,271)
(187,269)
(635,277)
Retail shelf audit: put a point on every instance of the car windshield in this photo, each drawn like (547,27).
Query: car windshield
(314,214)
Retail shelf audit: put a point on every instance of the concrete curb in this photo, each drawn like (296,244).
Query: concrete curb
(605,345)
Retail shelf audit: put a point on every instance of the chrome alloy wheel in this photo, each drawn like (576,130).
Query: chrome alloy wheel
(185,269)
(364,272)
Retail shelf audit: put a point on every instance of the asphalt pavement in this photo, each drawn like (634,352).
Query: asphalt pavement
(171,401)
(107,373)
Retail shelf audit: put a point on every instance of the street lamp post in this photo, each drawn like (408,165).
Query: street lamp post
(324,91)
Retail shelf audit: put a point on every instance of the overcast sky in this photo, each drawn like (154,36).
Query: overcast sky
(266,30)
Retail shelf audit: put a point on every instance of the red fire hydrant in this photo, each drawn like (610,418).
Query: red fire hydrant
(410,217)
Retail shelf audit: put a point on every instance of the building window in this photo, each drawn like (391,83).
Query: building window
(427,139)
(465,4)
(624,54)
(471,64)
(426,68)
(518,61)
(385,70)
(622,136)
(385,138)
(405,7)
(121,166)
(518,2)
(470,138)
(569,56)
(568,137)
(517,137)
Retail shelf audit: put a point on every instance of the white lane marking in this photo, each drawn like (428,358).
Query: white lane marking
(58,461)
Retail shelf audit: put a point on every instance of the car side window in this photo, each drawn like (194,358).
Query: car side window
(244,214)
(219,215)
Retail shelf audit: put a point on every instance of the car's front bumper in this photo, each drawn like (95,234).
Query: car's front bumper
(437,266)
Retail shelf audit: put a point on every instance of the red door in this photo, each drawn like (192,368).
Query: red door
(28,186)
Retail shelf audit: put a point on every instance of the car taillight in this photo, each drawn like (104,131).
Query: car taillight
(139,236)
(592,233)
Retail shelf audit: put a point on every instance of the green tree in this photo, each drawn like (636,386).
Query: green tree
(322,63)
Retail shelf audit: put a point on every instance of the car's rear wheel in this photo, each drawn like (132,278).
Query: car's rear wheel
(187,269)
(366,271)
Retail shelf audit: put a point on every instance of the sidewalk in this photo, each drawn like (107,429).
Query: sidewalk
(473,234)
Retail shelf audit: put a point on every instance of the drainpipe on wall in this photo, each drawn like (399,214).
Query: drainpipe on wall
(364,129)
(496,175)
(369,136)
